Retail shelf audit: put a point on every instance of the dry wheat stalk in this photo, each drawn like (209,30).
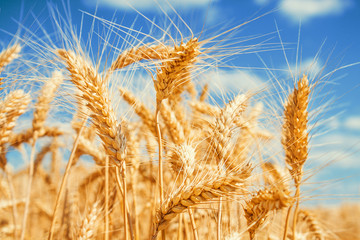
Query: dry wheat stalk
(295,138)
(96,96)
(170,77)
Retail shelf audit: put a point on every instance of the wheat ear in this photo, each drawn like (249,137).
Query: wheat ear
(173,125)
(222,130)
(8,55)
(89,222)
(42,106)
(14,105)
(137,54)
(209,188)
(295,138)
(312,224)
(263,202)
(96,96)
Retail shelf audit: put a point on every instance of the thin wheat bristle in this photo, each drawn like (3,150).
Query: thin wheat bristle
(140,109)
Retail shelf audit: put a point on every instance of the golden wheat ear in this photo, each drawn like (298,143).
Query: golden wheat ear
(210,188)
(42,106)
(8,55)
(12,107)
(96,96)
(261,204)
(295,138)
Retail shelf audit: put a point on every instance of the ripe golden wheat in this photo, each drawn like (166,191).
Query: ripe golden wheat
(181,167)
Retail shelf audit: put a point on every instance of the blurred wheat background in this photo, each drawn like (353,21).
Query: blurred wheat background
(168,120)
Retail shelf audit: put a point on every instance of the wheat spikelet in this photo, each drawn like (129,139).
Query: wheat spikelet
(43,104)
(87,147)
(95,93)
(275,175)
(182,159)
(263,202)
(204,93)
(4,204)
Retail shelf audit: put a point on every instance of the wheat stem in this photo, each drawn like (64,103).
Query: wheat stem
(28,194)
(64,180)
(107,198)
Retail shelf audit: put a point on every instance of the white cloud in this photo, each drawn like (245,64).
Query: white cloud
(233,81)
(307,9)
(149,4)
(352,123)
(310,66)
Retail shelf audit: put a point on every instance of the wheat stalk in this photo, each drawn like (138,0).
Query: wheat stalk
(295,138)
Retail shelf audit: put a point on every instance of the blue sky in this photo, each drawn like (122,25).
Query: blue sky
(327,27)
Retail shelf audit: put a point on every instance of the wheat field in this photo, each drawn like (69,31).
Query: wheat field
(103,161)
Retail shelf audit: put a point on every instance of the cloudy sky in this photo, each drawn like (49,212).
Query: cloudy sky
(327,32)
